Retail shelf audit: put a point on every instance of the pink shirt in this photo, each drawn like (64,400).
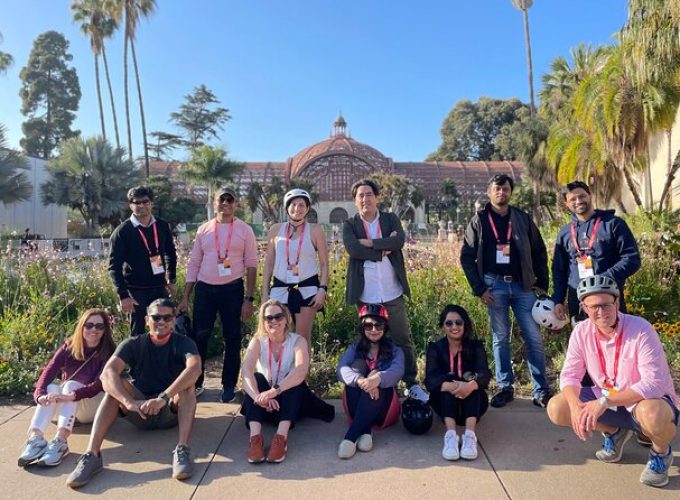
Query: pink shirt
(242,252)
(642,364)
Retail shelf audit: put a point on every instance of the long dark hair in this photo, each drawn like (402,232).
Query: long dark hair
(385,344)
(468,330)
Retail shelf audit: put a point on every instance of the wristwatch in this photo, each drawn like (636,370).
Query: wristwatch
(164,397)
(249,298)
(277,388)
(323,287)
(603,401)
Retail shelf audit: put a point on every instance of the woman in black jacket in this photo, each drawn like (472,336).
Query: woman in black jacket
(457,375)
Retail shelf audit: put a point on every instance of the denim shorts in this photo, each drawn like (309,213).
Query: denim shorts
(623,418)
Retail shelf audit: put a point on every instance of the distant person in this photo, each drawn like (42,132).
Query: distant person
(456,376)
(297,259)
(156,393)
(274,370)
(633,389)
(142,259)
(506,264)
(223,254)
(376,273)
(78,364)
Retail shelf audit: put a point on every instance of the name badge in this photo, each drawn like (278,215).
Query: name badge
(224,267)
(157,264)
(369,264)
(585,266)
(503,254)
(292,274)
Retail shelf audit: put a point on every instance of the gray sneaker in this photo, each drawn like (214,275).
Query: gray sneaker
(55,452)
(182,465)
(33,449)
(88,465)
(612,448)
(656,471)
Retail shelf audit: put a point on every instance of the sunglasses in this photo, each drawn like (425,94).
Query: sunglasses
(451,322)
(369,326)
(227,199)
(97,326)
(142,202)
(274,317)
(158,317)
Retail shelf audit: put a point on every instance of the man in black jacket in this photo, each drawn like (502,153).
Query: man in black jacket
(142,255)
(505,262)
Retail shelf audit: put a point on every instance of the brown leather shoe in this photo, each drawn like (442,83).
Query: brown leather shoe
(256,449)
(277,451)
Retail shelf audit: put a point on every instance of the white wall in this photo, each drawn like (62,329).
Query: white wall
(48,220)
(658,148)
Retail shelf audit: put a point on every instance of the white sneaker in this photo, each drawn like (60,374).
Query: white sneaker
(450,451)
(417,392)
(468,450)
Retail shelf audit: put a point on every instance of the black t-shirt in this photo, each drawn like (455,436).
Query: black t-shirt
(154,367)
(489,245)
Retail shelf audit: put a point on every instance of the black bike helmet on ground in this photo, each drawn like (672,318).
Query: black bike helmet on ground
(416,416)
(597,284)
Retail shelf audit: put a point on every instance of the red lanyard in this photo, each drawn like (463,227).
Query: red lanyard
(217,240)
(278,370)
(373,363)
(368,235)
(155,239)
(617,355)
(495,231)
(299,249)
(591,241)
(460,362)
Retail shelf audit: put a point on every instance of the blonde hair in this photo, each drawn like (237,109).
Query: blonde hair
(76,342)
(261,331)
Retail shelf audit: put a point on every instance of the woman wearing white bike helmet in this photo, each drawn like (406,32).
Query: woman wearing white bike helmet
(296,264)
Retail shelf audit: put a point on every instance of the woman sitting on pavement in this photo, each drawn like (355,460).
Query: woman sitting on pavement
(457,374)
(370,369)
(78,362)
(273,372)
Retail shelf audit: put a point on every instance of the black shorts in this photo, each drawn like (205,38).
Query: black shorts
(164,419)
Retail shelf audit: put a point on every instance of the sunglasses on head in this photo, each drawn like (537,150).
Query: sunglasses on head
(274,317)
(165,317)
(369,326)
(451,322)
(97,326)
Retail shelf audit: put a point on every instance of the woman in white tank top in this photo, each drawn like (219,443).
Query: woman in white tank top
(296,264)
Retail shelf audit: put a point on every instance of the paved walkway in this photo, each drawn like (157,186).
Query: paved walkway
(521,456)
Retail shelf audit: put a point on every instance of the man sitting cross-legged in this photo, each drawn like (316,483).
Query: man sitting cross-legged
(633,390)
(158,394)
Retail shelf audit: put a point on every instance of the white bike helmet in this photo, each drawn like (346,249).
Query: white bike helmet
(543,313)
(597,284)
(296,193)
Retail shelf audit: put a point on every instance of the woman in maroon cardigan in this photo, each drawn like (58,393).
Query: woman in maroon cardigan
(78,364)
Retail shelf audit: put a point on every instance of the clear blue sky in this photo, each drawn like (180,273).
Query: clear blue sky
(285,68)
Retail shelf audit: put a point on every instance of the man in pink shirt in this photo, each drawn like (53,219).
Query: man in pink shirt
(633,389)
(224,251)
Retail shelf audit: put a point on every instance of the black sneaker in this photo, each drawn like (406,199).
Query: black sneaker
(503,397)
(542,401)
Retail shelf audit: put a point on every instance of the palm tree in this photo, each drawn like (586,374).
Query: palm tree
(210,167)
(14,185)
(98,25)
(524,6)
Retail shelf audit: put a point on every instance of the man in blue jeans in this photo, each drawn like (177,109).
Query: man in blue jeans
(506,263)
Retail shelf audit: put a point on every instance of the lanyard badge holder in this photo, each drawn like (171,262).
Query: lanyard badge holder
(502,249)
(156,261)
(292,269)
(583,258)
(223,263)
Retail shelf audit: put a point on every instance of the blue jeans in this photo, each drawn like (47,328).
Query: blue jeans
(507,295)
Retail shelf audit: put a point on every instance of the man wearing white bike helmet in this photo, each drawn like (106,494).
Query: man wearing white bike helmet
(633,389)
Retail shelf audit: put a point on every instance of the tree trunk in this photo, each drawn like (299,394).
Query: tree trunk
(125,85)
(99,94)
(141,108)
(631,185)
(113,105)
(670,177)
(48,119)
(527,40)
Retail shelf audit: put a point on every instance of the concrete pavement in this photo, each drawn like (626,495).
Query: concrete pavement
(521,456)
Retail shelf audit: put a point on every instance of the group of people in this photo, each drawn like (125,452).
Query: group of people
(505,261)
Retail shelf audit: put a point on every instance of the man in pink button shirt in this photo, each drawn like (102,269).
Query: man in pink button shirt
(224,251)
(633,389)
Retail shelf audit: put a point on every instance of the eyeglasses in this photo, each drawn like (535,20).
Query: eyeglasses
(140,202)
(97,326)
(451,322)
(370,326)
(274,317)
(599,307)
(158,317)
(227,199)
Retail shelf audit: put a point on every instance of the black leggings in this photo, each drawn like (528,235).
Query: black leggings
(295,403)
(446,405)
(366,412)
